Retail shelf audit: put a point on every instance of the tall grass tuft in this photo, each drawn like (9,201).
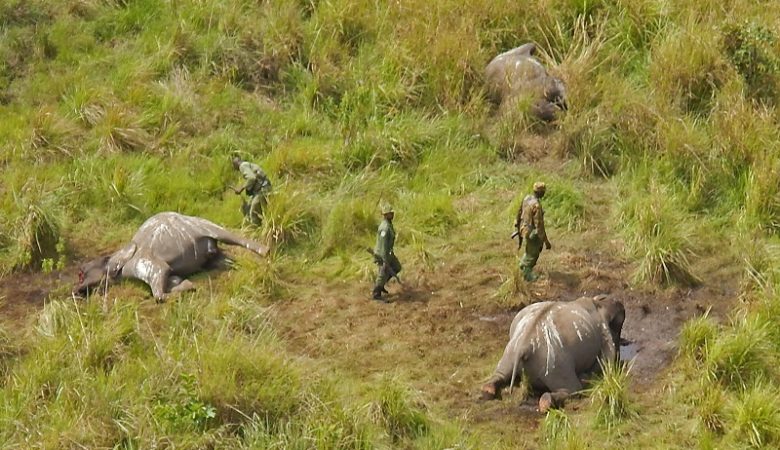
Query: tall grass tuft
(289,217)
(658,233)
(610,394)
(398,411)
(710,401)
(696,336)
(754,416)
(347,221)
(558,432)
(35,232)
(688,69)
(740,354)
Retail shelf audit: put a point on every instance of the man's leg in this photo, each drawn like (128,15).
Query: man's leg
(379,285)
(533,247)
(255,209)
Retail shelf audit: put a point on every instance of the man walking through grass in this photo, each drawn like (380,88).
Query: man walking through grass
(257,186)
(389,266)
(530,226)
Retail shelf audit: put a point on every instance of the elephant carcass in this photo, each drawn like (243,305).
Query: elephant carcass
(166,248)
(517,74)
(553,343)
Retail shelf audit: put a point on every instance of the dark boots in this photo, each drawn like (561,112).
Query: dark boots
(376,294)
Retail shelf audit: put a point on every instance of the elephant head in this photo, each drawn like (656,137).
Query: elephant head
(91,275)
(105,268)
(614,314)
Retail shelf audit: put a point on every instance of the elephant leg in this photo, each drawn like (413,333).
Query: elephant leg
(179,284)
(229,238)
(510,365)
(562,384)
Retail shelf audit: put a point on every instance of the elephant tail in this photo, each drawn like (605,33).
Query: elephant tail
(521,355)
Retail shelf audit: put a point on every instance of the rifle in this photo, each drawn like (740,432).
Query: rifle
(519,237)
(381,262)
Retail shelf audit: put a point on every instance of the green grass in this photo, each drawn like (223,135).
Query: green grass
(111,111)
(610,395)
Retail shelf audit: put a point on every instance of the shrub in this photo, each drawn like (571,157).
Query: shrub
(752,49)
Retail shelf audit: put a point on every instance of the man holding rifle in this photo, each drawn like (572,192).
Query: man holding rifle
(530,226)
(389,266)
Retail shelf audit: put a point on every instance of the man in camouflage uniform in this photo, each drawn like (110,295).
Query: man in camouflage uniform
(256,186)
(385,239)
(530,226)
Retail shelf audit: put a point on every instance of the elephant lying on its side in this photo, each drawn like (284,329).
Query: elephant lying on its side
(552,343)
(167,247)
(518,73)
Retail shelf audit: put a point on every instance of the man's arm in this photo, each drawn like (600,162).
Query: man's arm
(539,224)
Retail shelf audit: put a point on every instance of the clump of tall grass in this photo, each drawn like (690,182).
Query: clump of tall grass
(696,336)
(431,213)
(558,432)
(513,290)
(762,194)
(306,158)
(35,230)
(740,354)
(710,401)
(688,69)
(509,132)
(657,231)
(289,217)
(754,416)
(51,133)
(398,411)
(348,221)
(115,128)
(610,394)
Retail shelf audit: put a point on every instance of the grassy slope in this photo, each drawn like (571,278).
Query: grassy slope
(114,110)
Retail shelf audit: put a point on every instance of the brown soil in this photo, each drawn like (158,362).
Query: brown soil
(444,330)
(24,293)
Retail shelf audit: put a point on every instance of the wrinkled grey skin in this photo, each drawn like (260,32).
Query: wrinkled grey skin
(166,248)
(553,343)
(517,73)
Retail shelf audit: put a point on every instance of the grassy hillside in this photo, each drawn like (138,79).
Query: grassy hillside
(668,162)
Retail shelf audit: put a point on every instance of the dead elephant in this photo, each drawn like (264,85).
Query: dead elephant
(516,74)
(166,248)
(553,343)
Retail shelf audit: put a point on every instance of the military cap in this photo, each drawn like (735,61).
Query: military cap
(386,208)
(539,187)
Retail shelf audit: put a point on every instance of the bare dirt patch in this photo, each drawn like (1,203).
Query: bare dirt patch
(444,331)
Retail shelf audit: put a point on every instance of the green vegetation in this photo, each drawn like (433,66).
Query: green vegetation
(112,110)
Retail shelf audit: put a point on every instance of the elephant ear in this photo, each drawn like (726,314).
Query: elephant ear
(119,259)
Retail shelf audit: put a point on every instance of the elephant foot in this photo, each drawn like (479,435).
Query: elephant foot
(488,392)
(545,402)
